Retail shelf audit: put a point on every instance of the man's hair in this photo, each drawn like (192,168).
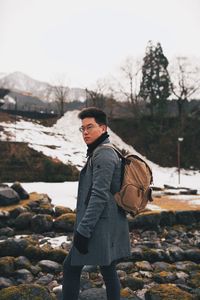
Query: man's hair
(93,112)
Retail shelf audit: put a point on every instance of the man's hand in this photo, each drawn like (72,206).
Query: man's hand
(81,243)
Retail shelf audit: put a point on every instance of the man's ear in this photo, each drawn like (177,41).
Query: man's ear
(104,128)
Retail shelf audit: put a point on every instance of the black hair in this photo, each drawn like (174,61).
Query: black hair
(94,112)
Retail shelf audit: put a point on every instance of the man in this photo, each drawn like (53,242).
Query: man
(101,234)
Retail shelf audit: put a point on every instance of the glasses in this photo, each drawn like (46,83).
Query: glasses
(87,128)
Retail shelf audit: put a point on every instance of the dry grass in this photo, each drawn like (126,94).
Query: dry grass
(33,197)
(167,203)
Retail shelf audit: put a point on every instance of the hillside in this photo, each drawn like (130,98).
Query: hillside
(156,138)
(18,162)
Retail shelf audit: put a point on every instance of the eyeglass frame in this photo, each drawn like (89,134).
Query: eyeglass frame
(88,128)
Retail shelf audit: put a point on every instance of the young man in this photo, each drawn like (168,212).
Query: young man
(101,234)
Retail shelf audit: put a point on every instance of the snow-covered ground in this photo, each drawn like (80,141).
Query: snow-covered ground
(64,141)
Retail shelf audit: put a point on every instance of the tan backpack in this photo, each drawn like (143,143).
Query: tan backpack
(135,191)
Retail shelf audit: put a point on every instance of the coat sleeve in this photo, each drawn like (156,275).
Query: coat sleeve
(104,161)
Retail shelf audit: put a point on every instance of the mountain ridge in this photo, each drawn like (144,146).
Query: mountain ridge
(21,82)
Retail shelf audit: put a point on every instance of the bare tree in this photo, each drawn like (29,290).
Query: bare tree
(130,70)
(59,93)
(185,81)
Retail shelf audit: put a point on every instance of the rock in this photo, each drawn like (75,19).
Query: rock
(193,255)
(7,265)
(136,254)
(125,266)
(132,282)
(13,247)
(23,221)
(17,187)
(162,266)
(45,279)
(7,231)
(25,292)
(126,293)
(5,282)
(146,221)
(153,255)
(58,292)
(185,217)
(22,262)
(186,266)
(4,215)
(17,211)
(23,276)
(41,223)
(45,208)
(35,252)
(167,218)
(175,253)
(57,255)
(65,222)
(50,266)
(144,265)
(8,196)
(167,292)
(194,281)
(164,277)
(93,293)
(61,210)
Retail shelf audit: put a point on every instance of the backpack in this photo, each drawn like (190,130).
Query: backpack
(135,191)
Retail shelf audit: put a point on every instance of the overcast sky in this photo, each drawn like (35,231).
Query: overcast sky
(86,40)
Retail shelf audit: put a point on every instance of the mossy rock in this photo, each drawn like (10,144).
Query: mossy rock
(7,266)
(195,280)
(41,223)
(35,252)
(23,221)
(26,292)
(65,222)
(61,210)
(167,292)
(57,255)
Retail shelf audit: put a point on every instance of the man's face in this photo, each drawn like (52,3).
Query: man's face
(91,130)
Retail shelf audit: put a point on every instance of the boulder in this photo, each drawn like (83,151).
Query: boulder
(17,187)
(41,223)
(23,276)
(23,221)
(167,292)
(7,231)
(5,282)
(13,247)
(134,283)
(65,222)
(61,210)
(93,293)
(50,266)
(22,262)
(7,266)
(26,292)
(8,196)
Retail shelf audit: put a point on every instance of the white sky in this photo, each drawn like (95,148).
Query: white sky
(88,39)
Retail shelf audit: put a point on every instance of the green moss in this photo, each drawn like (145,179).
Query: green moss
(195,280)
(25,292)
(69,217)
(167,292)
(6,265)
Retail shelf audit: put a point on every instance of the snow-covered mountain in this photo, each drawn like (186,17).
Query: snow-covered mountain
(64,141)
(21,82)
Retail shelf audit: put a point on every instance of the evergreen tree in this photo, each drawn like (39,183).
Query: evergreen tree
(155,86)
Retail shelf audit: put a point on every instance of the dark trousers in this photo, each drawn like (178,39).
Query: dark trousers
(71,280)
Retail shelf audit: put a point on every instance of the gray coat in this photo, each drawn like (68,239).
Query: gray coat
(98,216)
